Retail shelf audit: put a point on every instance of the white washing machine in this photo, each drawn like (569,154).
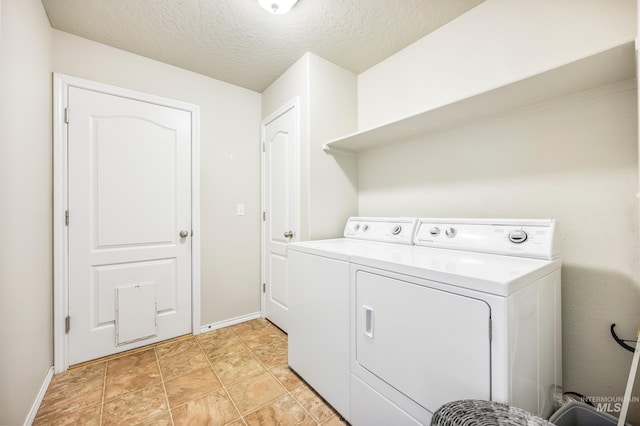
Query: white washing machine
(319,305)
(471,311)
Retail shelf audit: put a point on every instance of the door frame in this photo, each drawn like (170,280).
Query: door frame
(293,103)
(61,85)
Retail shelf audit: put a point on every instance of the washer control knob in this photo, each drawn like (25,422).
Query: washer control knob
(365,227)
(434,231)
(356,226)
(450,232)
(518,236)
(396,229)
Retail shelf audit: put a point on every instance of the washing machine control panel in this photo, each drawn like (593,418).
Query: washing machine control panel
(398,230)
(534,238)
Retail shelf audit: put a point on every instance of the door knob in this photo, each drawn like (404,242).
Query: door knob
(184,233)
(288,234)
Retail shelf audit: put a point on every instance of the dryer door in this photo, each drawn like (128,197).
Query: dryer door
(432,346)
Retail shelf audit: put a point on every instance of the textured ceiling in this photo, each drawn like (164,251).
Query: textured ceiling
(238,42)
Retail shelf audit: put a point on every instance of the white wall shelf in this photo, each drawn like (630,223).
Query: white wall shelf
(603,68)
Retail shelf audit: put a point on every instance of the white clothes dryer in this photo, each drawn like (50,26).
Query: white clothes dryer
(471,311)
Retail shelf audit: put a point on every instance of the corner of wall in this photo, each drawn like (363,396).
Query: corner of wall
(26,190)
(333,177)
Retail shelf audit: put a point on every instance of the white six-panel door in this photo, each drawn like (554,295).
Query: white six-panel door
(280,138)
(129,200)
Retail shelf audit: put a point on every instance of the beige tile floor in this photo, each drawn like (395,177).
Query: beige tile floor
(236,375)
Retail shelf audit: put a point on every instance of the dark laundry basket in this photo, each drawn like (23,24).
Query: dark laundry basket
(473,412)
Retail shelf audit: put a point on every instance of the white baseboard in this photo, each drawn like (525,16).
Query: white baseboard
(36,404)
(232,321)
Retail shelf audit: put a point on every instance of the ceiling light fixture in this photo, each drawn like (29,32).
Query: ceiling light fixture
(277,7)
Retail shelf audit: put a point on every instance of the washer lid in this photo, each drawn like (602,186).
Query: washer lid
(336,248)
(488,273)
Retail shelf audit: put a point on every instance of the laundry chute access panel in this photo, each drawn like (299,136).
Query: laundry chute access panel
(431,345)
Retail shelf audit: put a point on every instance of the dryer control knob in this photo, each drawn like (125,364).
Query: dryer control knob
(518,236)
(450,232)
(435,231)
(396,229)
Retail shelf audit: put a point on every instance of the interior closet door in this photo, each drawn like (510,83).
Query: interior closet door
(280,148)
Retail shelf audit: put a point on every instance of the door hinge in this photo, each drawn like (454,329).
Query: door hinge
(66,115)
(264,216)
(66,217)
(67,324)
(264,287)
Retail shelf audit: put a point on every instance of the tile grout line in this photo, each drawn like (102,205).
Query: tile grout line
(221,382)
(290,394)
(164,388)
(122,395)
(268,370)
(62,411)
(104,390)
(225,386)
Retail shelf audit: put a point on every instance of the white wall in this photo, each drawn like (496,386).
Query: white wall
(573,159)
(497,42)
(230,163)
(26,351)
(334,178)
